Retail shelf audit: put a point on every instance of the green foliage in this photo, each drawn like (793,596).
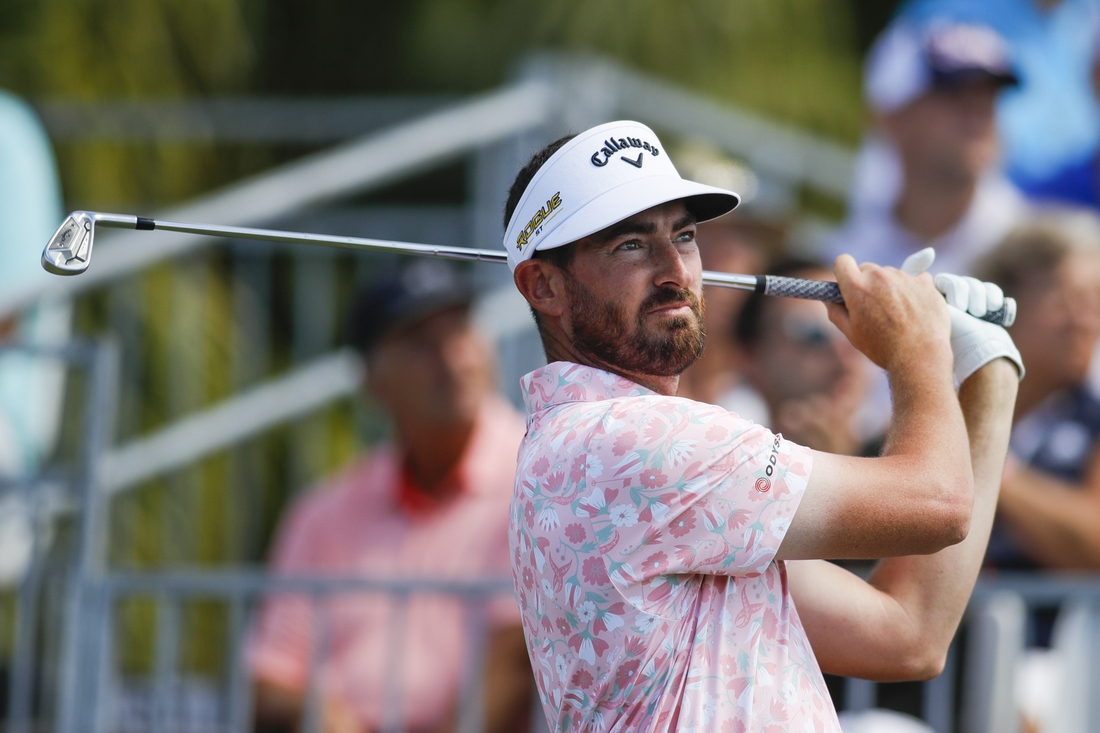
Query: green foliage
(792,59)
(127,49)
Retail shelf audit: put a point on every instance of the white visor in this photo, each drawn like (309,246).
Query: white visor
(600,177)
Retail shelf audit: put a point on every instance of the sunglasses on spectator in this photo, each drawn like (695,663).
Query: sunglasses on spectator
(809,333)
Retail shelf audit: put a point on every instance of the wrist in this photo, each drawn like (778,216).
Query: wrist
(928,362)
(1000,374)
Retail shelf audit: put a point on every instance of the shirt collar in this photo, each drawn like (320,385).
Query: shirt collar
(563,381)
(498,428)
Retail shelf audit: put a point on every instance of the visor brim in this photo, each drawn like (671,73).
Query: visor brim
(633,197)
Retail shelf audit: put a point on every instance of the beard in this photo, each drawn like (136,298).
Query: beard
(601,330)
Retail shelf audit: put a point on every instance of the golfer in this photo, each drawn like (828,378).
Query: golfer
(666,552)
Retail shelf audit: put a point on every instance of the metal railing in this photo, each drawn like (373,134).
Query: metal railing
(242,594)
(995,626)
(986,671)
(51,495)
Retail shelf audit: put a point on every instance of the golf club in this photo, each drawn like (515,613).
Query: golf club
(69,252)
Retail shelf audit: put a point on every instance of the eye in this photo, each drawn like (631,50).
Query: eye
(686,236)
(629,246)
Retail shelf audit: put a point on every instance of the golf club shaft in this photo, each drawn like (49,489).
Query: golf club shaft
(790,287)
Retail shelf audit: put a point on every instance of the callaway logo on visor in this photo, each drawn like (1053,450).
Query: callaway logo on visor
(612,146)
(600,177)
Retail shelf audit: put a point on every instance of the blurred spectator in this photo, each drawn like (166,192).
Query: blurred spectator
(928,175)
(814,383)
(1049,510)
(31,388)
(737,245)
(30,197)
(1050,120)
(432,505)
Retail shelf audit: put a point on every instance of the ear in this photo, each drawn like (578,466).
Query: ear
(542,285)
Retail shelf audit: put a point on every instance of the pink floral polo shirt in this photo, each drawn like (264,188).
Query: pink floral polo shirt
(642,534)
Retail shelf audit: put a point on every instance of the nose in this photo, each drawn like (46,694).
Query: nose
(673,269)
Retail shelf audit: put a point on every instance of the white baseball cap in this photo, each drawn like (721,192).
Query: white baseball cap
(600,177)
(908,59)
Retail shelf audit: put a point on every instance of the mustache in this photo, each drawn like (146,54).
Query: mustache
(665,296)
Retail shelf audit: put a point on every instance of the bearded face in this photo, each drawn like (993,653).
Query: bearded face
(631,341)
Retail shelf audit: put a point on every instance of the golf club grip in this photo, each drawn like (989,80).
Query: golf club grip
(796,287)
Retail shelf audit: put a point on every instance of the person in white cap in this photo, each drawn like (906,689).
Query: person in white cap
(930,173)
(650,535)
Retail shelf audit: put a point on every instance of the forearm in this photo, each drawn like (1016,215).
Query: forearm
(927,426)
(1059,524)
(933,590)
(915,500)
(899,625)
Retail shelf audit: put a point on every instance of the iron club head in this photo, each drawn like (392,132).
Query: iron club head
(70,247)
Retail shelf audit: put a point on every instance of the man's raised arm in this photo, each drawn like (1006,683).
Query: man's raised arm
(899,624)
(917,497)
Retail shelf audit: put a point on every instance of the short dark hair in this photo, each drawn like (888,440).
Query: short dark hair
(527,173)
(559,257)
(748,328)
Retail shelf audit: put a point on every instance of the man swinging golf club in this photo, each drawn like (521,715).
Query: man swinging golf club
(666,553)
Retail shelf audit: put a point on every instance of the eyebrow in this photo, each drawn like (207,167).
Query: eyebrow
(638,227)
(625,227)
(684,222)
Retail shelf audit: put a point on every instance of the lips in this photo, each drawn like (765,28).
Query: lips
(671,308)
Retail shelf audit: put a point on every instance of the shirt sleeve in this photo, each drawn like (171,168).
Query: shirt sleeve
(686,488)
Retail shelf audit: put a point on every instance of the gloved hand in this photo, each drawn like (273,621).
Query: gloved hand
(974,342)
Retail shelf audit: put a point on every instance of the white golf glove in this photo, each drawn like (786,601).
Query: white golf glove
(974,342)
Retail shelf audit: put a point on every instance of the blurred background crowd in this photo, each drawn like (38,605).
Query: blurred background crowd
(256,486)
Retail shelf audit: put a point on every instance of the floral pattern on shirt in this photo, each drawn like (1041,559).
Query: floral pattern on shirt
(643,533)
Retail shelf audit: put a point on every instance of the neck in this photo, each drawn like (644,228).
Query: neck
(560,348)
(668,386)
(433,451)
(932,205)
(713,374)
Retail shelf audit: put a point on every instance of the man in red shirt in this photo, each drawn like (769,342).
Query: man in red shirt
(432,504)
